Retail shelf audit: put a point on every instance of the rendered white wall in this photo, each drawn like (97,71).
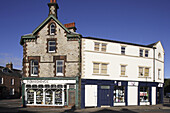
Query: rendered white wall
(153,95)
(90,95)
(132,95)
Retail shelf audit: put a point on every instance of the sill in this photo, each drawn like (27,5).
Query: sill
(51,51)
(34,76)
(144,77)
(123,76)
(100,74)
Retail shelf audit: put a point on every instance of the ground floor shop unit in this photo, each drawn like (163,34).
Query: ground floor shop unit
(52,92)
(98,93)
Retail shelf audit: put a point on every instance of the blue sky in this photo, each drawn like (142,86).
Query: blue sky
(137,21)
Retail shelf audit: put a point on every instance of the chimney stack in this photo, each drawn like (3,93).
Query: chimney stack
(9,65)
(71,26)
(53,7)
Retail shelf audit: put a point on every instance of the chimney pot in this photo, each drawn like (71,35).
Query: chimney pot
(9,65)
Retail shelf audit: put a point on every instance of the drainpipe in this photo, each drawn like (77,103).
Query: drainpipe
(154,64)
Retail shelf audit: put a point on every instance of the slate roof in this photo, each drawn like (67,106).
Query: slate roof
(13,72)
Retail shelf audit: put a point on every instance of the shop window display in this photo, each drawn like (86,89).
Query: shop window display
(119,94)
(30,96)
(39,96)
(58,97)
(144,94)
(48,97)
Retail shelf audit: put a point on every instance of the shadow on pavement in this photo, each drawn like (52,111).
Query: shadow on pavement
(13,110)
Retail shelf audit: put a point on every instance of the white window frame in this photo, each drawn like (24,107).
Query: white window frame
(159,73)
(100,48)
(60,74)
(52,28)
(51,46)
(123,50)
(143,71)
(12,81)
(100,68)
(33,66)
(2,80)
(122,71)
(141,52)
(146,55)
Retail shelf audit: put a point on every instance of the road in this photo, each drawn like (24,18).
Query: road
(14,105)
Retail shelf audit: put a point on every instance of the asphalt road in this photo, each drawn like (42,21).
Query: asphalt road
(14,105)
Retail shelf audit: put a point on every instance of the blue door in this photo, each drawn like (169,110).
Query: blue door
(105,95)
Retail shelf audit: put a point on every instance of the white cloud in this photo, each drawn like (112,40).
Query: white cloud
(7,58)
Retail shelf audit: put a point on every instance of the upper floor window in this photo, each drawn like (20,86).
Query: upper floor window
(146,53)
(123,50)
(144,71)
(159,56)
(159,73)
(100,68)
(51,46)
(1,80)
(12,81)
(34,67)
(103,47)
(141,53)
(123,70)
(100,46)
(52,29)
(97,46)
(60,68)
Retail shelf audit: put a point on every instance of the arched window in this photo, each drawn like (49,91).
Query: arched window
(159,56)
(52,29)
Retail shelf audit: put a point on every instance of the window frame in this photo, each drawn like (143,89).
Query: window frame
(123,50)
(2,80)
(54,28)
(146,53)
(103,47)
(141,52)
(60,74)
(12,81)
(37,66)
(96,48)
(100,68)
(51,46)
(121,71)
(144,72)
(12,91)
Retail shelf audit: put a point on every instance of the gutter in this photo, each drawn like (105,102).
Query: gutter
(154,64)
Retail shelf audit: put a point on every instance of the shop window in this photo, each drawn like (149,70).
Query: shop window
(30,96)
(119,94)
(144,94)
(1,80)
(52,29)
(60,68)
(39,96)
(49,97)
(34,68)
(58,97)
(51,46)
(123,50)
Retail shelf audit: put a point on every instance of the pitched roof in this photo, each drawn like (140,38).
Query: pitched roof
(9,72)
(107,40)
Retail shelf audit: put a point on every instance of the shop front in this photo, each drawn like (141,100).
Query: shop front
(60,92)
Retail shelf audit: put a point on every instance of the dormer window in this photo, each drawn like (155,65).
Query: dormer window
(52,29)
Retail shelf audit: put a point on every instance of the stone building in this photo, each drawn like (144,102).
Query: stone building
(51,61)
(10,82)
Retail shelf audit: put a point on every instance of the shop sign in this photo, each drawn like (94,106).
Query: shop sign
(132,83)
(37,81)
(160,85)
(48,81)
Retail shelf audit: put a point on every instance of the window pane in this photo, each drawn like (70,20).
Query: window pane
(141,52)
(146,71)
(96,48)
(59,70)
(35,62)
(140,71)
(123,69)
(60,63)
(95,67)
(146,53)
(52,43)
(119,94)
(35,70)
(144,94)
(52,48)
(104,47)
(122,50)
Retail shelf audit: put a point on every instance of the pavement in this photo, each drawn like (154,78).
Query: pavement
(14,105)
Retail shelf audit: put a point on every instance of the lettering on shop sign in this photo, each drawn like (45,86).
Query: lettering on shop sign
(37,81)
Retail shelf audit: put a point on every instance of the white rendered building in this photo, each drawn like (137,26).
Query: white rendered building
(119,74)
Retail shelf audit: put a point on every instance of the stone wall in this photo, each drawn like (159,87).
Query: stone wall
(38,47)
